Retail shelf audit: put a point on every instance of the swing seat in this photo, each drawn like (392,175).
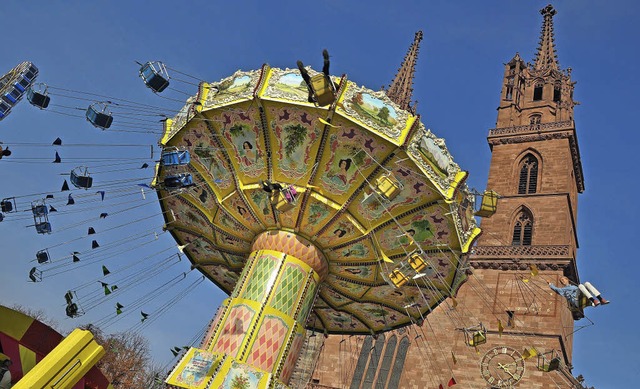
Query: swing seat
(43,228)
(154,75)
(99,118)
(397,278)
(417,263)
(322,89)
(72,310)
(578,312)
(31,73)
(387,187)
(35,275)
(284,200)
(178,181)
(37,99)
(175,157)
(42,256)
(81,179)
(6,205)
(478,338)
(554,364)
(39,210)
(489,204)
(476,335)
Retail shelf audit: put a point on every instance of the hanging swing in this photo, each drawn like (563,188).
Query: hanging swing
(8,205)
(174,156)
(488,205)
(475,335)
(398,278)
(178,181)
(549,361)
(42,256)
(80,178)
(285,199)
(99,115)
(38,96)
(155,76)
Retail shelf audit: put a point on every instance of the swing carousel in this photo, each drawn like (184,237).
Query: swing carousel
(312,205)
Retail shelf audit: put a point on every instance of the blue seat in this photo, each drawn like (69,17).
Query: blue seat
(5,108)
(43,228)
(155,76)
(22,84)
(98,115)
(175,157)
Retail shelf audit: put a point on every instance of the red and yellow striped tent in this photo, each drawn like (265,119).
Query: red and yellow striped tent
(27,341)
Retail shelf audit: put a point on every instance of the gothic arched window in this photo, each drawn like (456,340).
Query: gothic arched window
(522,229)
(528,180)
(537,91)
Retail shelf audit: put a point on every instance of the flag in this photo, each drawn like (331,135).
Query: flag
(453,356)
(57,158)
(70,200)
(101,194)
(452,382)
(105,271)
(65,186)
(94,244)
(91,231)
(106,288)
(144,316)
(75,257)
(57,142)
(103,215)
(119,308)
(500,327)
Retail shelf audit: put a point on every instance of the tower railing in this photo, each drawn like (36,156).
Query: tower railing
(531,128)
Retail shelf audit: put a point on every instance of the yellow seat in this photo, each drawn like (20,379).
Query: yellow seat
(489,204)
(398,278)
(476,335)
(322,90)
(387,187)
(417,263)
(281,202)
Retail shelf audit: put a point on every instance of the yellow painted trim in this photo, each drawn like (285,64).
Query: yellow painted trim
(356,223)
(167,126)
(266,75)
(472,238)
(14,323)
(458,179)
(66,364)
(203,90)
(407,129)
(322,199)
(154,182)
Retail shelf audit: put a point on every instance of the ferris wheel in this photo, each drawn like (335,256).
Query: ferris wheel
(14,84)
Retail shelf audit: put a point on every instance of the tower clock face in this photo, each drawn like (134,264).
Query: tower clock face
(502,367)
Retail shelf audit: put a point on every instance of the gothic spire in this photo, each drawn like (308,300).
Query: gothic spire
(546,56)
(401,89)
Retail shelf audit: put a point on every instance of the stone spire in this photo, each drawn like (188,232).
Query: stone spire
(546,56)
(401,89)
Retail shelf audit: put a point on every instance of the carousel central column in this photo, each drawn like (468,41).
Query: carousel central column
(260,328)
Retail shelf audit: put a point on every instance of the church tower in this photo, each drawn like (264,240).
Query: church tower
(505,328)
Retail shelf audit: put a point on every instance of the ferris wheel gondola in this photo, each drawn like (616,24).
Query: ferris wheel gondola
(14,84)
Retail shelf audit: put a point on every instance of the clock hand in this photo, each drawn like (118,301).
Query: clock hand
(506,369)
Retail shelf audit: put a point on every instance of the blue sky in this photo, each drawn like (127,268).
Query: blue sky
(91,47)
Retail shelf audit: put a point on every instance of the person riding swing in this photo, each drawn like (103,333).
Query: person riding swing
(574,293)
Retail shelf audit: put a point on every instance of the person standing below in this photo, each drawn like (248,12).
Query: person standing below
(572,293)
(5,374)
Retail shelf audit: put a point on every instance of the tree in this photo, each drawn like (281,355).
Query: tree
(126,363)
(383,113)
